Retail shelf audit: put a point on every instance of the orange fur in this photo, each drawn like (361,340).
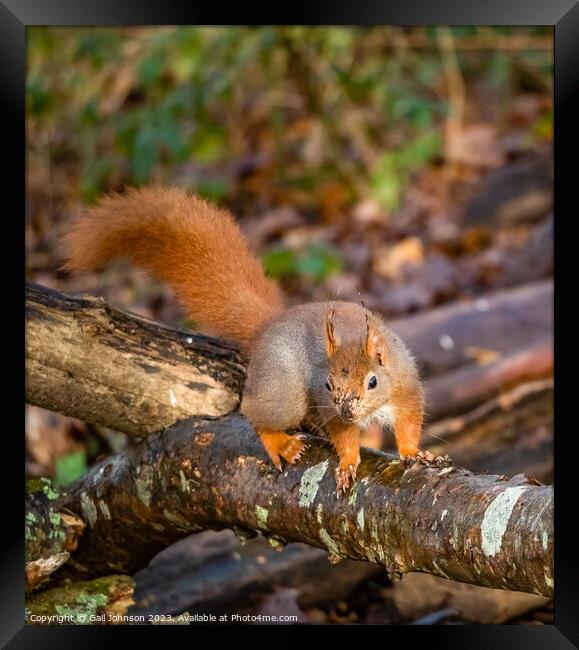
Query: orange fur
(186,242)
(409,417)
(279,444)
(346,441)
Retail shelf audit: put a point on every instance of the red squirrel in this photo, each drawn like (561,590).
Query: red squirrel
(334,366)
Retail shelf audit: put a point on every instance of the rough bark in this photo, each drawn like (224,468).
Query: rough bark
(213,473)
(511,434)
(99,364)
(123,489)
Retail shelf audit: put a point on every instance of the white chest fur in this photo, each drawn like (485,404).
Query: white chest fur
(384,416)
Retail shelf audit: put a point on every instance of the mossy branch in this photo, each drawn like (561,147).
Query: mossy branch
(213,473)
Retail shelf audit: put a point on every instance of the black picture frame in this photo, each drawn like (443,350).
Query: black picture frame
(16,15)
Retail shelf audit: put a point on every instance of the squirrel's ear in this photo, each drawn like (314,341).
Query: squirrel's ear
(375,342)
(330,337)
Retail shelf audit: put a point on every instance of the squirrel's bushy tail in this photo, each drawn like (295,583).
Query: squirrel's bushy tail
(194,247)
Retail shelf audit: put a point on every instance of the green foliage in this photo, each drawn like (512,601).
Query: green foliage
(214,189)
(391,172)
(70,467)
(147,104)
(314,262)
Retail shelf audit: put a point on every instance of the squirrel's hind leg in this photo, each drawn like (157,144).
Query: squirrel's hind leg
(279,444)
(275,401)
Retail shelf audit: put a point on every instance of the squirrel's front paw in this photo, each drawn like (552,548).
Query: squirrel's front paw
(343,476)
(293,449)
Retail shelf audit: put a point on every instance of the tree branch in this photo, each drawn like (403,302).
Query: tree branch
(213,473)
(102,365)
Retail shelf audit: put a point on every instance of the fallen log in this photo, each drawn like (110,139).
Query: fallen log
(88,498)
(503,321)
(534,261)
(213,570)
(511,433)
(99,364)
(461,390)
(213,473)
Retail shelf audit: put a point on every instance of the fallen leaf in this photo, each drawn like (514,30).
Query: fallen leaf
(482,356)
(391,260)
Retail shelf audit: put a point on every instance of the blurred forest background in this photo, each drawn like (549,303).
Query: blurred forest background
(411,167)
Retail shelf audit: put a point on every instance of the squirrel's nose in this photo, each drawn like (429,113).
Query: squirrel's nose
(347,409)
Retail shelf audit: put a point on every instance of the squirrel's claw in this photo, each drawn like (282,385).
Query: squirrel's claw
(426,458)
(293,449)
(343,476)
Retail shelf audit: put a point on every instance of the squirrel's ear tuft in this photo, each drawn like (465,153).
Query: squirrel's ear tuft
(375,342)
(330,337)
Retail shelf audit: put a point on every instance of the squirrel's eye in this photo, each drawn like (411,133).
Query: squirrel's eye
(372,382)
(328,385)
